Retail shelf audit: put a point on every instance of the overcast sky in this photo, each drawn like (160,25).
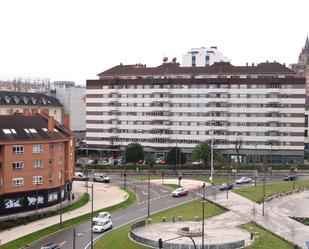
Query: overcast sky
(75,40)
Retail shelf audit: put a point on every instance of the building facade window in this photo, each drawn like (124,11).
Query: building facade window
(17,165)
(37,164)
(37,148)
(37,180)
(18,149)
(18,182)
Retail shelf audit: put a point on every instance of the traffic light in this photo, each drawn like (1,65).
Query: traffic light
(160,242)
(179,178)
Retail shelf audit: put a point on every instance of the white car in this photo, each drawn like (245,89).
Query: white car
(243,179)
(101,216)
(102,226)
(81,176)
(197,163)
(101,178)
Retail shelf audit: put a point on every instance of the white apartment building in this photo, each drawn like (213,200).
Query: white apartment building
(73,98)
(203,57)
(262,107)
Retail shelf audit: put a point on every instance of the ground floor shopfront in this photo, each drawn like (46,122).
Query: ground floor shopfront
(31,200)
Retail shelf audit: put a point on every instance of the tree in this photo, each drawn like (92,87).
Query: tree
(150,160)
(238,145)
(175,156)
(202,152)
(133,153)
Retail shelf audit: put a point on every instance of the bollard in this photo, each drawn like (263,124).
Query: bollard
(196,218)
(163,219)
(179,218)
(173,218)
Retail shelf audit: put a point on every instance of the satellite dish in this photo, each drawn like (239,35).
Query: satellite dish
(165,59)
(174,60)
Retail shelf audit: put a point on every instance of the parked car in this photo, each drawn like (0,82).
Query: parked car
(51,246)
(243,180)
(101,178)
(226,186)
(180,192)
(290,177)
(102,226)
(197,163)
(101,216)
(81,176)
(162,161)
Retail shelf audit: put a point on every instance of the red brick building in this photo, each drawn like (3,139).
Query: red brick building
(36,162)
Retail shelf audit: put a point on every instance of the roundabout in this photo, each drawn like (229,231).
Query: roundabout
(177,234)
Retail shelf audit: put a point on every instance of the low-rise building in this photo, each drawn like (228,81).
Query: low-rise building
(36,162)
(30,103)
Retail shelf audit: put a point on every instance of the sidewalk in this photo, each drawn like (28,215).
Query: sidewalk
(275,219)
(105,195)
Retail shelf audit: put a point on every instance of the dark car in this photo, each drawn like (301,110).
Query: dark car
(51,246)
(226,186)
(290,178)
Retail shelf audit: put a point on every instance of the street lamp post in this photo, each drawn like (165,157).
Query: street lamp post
(91,224)
(203,216)
(36,200)
(212,160)
(227,181)
(74,237)
(148,204)
(61,188)
(264,190)
(294,177)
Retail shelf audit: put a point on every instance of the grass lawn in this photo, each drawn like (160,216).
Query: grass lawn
(256,193)
(144,177)
(266,240)
(173,186)
(118,239)
(30,238)
(83,200)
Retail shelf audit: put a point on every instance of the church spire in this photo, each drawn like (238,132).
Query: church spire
(306,48)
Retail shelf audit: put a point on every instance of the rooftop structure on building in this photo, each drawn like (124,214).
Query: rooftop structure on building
(27,102)
(26,84)
(63,84)
(166,106)
(203,57)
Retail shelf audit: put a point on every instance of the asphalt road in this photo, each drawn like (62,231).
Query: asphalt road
(160,199)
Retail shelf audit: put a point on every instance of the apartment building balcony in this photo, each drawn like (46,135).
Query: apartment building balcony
(162,136)
(160,100)
(160,90)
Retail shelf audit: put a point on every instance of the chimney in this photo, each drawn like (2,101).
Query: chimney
(51,123)
(253,64)
(66,121)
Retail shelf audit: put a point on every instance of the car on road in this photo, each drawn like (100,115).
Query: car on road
(101,216)
(290,177)
(102,226)
(226,186)
(51,246)
(101,178)
(243,180)
(180,192)
(81,176)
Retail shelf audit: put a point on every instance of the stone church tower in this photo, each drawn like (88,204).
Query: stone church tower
(304,55)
